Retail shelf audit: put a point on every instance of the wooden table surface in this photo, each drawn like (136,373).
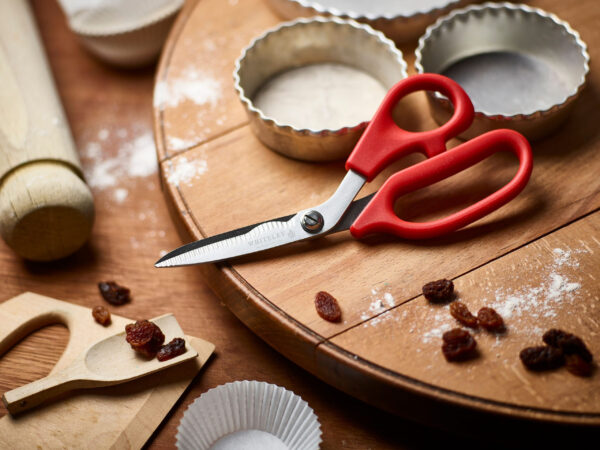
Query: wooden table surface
(108,109)
(129,236)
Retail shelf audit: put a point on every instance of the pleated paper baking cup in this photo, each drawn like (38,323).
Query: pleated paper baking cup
(124,33)
(249,415)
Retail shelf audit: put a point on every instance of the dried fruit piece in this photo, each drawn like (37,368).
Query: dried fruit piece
(461,313)
(174,348)
(578,366)
(113,293)
(568,343)
(438,291)
(144,337)
(542,358)
(489,319)
(101,315)
(458,345)
(327,307)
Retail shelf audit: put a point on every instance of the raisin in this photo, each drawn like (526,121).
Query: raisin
(489,319)
(458,345)
(113,293)
(461,313)
(327,307)
(144,337)
(542,358)
(438,291)
(174,348)
(568,343)
(578,366)
(101,315)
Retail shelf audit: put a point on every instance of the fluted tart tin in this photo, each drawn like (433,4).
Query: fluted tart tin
(401,21)
(310,86)
(522,67)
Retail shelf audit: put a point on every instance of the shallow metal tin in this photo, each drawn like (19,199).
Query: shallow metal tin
(401,21)
(522,67)
(311,41)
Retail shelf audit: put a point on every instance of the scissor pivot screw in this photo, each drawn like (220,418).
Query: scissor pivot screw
(312,222)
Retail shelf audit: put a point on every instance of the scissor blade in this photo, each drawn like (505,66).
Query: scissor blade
(352,213)
(243,241)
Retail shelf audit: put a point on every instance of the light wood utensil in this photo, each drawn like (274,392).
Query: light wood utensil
(107,362)
(120,416)
(46,209)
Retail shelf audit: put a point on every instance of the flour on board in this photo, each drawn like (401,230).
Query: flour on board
(192,85)
(381,300)
(184,171)
(519,306)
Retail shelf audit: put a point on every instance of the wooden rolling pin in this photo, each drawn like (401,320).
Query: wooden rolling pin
(46,209)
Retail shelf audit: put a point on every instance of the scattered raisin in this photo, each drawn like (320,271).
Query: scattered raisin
(568,343)
(578,366)
(458,345)
(113,293)
(327,307)
(174,348)
(144,337)
(542,358)
(461,313)
(438,291)
(101,315)
(489,319)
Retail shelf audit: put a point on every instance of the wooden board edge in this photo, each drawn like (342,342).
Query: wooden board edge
(161,73)
(269,322)
(144,424)
(392,391)
(327,361)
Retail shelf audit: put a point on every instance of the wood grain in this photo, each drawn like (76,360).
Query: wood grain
(46,210)
(126,240)
(531,288)
(272,292)
(122,415)
(96,356)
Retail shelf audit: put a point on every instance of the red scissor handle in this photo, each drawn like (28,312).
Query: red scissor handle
(379,217)
(383,141)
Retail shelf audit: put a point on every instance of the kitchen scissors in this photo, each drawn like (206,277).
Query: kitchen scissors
(382,143)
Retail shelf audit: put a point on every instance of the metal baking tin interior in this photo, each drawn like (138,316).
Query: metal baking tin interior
(306,42)
(401,21)
(522,67)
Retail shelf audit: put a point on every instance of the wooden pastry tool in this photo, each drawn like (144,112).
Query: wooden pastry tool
(107,362)
(46,209)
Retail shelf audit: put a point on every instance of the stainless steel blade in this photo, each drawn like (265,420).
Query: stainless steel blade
(269,234)
(249,239)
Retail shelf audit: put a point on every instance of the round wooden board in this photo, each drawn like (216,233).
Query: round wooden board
(386,351)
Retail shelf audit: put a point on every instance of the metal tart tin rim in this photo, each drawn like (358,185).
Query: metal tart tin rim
(249,105)
(320,9)
(455,17)
(167,12)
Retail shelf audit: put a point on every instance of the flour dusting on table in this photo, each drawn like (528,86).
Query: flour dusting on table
(134,158)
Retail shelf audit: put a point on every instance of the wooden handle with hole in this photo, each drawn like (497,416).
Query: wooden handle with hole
(37,392)
(46,209)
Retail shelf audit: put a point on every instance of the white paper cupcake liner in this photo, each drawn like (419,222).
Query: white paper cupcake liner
(237,415)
